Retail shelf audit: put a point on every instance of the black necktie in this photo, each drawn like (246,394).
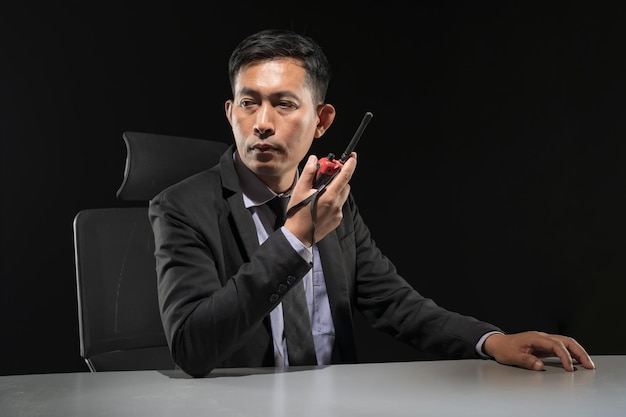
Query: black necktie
(300,346)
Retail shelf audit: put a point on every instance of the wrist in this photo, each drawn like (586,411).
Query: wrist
(490,344)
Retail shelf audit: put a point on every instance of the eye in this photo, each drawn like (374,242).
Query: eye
(287,105)
(246,103)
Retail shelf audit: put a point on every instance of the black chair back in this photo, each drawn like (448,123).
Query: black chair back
(119,321)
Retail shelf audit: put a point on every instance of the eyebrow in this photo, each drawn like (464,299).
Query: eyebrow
(277,94)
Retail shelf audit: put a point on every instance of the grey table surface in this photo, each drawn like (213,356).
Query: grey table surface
(423,388)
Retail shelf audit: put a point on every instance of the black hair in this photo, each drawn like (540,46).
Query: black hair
(278,43)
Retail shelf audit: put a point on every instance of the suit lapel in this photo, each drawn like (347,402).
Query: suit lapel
(241,219)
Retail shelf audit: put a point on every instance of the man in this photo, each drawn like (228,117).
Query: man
(224,272)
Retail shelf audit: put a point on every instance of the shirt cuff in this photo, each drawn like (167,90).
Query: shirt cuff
(306,253)
(481,342)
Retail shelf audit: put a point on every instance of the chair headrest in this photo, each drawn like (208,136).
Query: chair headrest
(154,162)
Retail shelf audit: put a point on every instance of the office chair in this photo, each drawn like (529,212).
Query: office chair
(119,322)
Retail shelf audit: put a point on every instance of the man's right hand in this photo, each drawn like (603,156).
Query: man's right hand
(328,204)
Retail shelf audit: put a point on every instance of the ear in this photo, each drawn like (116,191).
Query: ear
(228,108)
(326,115)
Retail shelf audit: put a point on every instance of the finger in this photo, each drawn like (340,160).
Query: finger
(585,361)
(307,176)
(530,346)
(546,345)
(309,170)
(303,188)
(530,361)
(565,357)
(578,352)
(350,165)
(346,172)
(555,346)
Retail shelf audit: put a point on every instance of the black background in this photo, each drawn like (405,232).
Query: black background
(492,173)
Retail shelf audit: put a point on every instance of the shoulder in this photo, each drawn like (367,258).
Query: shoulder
(194,198)
(201,185)
(205,186)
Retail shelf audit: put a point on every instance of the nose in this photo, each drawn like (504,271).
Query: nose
(264,127)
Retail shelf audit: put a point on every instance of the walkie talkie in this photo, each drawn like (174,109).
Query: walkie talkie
(329,166)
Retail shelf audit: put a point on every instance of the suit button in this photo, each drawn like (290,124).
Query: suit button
(291,279)
(274,298)
(282,288)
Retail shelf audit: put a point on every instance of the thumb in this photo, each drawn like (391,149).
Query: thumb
(531,362)
(309,170)
(304,187)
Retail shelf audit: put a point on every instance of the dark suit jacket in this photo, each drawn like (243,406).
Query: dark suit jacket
(217,285)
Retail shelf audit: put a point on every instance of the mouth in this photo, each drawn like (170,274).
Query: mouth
(264,148)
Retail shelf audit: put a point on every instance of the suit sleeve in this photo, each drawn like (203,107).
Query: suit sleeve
(212,299)
(392,305)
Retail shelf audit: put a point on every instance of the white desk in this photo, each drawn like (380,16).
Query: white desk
(439,388)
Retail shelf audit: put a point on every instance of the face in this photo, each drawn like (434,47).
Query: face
(274,120)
